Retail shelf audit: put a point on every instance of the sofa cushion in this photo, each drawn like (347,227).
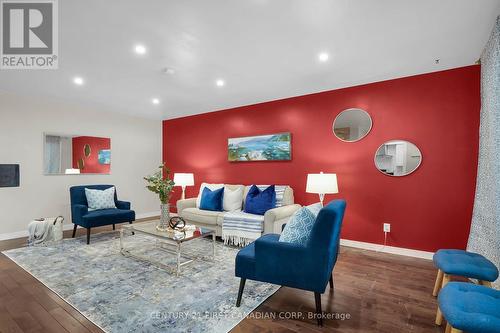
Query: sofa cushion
(258,202)
(212,200)
(210,186)
(202,216)
(107,216)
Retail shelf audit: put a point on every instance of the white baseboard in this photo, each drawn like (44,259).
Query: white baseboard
(13,235)
(147,215)
(387,249)
(66,226)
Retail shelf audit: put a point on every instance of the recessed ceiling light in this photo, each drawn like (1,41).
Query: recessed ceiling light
(220,83)
(78,81)
(140,49)
(323,56)
(155,101)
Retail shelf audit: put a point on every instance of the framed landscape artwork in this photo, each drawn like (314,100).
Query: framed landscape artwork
(272,147)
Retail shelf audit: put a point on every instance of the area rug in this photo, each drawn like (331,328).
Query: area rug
(121,294)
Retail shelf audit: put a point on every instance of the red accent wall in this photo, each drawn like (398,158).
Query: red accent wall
(428,210)
(91,163)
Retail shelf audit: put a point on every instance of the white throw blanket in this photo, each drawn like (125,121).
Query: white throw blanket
(39,232)
(240,228)
(47,230)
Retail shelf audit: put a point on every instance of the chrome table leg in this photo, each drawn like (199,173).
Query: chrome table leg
(178,259)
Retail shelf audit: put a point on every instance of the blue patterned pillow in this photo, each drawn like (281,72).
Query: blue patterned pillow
(299,227)
(98,199)
(315,208)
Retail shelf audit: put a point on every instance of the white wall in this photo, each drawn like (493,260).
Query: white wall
(136,152)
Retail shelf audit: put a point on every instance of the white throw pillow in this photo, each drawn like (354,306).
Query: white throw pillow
(210,187)
(100,199)
(233,199)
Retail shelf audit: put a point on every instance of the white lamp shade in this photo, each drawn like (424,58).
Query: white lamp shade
(322,183)
(183,179)
(72,171)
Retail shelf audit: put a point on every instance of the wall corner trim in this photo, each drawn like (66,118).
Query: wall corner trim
(387,249)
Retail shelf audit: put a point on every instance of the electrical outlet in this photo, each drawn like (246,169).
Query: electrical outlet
(387,227)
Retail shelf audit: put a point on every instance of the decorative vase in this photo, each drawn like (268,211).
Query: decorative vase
(164,217)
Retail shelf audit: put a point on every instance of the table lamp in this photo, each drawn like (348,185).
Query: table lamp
(322,183)
(183,180)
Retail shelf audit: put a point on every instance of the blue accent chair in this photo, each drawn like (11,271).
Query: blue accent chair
(304,267)
(471,308)
(81,216)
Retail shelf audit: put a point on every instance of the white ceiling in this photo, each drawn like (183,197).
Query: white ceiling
(264,49)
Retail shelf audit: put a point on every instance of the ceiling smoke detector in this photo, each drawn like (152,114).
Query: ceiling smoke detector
(168,71)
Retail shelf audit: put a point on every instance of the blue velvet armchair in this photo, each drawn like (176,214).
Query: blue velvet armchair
(304,267)
(81,216)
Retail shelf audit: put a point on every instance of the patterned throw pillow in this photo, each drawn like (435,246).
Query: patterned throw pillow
(315,208)
(100,199)
(299,227)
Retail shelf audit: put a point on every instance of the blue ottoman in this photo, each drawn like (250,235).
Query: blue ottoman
(471,308)
(462,263)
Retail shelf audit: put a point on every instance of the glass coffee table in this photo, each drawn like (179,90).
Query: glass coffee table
(169,241)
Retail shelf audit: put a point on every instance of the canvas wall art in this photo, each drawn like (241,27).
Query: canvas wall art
(272,147)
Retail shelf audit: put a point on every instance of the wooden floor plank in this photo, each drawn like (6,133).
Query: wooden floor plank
(380,292)
(7,323)
(45,319)
(67,321)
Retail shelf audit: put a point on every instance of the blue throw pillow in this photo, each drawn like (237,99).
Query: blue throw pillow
(299,227)
(259,202)
(212,200)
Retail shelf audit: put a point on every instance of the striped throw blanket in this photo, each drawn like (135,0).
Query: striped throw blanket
(240,228)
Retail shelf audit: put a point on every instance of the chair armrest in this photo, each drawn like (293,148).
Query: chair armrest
(276,217)
(122,205)
(77,212)
(185,203)
(289,264)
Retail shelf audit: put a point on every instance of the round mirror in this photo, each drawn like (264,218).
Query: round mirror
(398,158)
(352,125)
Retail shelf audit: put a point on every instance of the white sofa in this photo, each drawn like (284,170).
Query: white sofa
(273,218)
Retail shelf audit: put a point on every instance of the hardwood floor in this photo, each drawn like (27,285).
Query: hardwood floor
(379,292)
